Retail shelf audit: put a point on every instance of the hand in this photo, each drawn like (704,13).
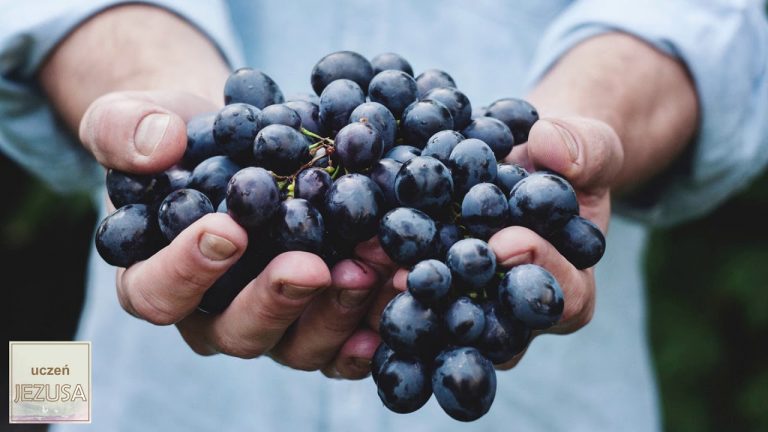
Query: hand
(297,311)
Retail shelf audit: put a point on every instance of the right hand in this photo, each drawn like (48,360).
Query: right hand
(297,311)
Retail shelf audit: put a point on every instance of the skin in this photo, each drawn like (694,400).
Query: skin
(614,113)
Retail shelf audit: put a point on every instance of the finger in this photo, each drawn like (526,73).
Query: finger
(517,245)
(400,279)
(384,294)
(168,286)
(265,308)
(371,252)
(354,358)
(331,318)
(141,132)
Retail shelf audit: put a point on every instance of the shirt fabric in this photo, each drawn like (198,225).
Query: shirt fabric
(600,378)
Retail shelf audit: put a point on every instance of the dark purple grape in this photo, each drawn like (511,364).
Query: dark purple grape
(464,320)
(358,146)
(423,119)
(304,97)
(298,226)
(309,114)
(378,116)
(429,282)
(234,129)
(404,384)
(424,183)
(464,383)
(543,202)
(517,114)
(341,65)
(394,89)
(479,112)
(252,197)
(508,175)
(222,207)
(503,337)
(281,149)
(441,144)
(382,354)
(337,102)
(532,295)
(200,142)
(580,241)
(407,236)
(433,78)
(447,235)
(353,207)
(253,87)
(128,235)
(492,132)
(409,327)
(178,177)
(313,185)
(212,175)
(471,162)
(386,61)
(383,174)
(484,210)
(280,114)
(403,153)
(472,263)
(125,188)
(456,102)
(180,209)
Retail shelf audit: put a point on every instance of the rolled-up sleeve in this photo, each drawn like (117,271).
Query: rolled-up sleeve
(724,45)
(30,132)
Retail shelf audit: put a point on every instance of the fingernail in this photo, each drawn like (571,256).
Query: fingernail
(352,298)
(360,363)
(523,258)
(149,132)
(298,292)
(568,139)
(216,248)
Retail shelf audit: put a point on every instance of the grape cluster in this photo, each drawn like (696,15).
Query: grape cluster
(376,152)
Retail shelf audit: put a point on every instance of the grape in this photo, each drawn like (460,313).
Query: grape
(404,384)
(403,153)
(507,176)
(279,114)
(298,226)
(407,235)
(383,173)
(441,144)
(180,209)
(492,132)
(313,184)
(456,102)
(447,235)
(337,102)
(222,207)
(252,197)
(394,89)
(178,177)
(424,183)
(517,114)
(464,383)
(543,202)
(309,113)
(503,337)
(253,87)
(382,354)
(212,175)
(128,235)
(464,320)
(304,97)
(471,162)
(484,210)
(409,327)
(472,263)
(234,129)
(125,188)
(353,207)
(580,241)
(341,65)
(423,119)
(532,295)
(479,112)
(200,142)
(281,149)
(387,61)
(358,146)
(378,116)
(433,78)
(429,281)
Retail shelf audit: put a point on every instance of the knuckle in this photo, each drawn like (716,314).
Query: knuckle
(238,347)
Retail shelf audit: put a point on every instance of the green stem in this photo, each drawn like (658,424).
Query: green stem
(311,134)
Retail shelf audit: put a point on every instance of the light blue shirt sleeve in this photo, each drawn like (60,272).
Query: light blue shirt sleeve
(30,132)
(724,44)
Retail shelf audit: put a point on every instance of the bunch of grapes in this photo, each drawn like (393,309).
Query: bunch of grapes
(376,152)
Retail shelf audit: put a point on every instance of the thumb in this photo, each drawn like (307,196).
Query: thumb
(140,132)
(587,152)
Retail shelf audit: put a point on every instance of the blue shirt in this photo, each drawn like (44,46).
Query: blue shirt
(600,378)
